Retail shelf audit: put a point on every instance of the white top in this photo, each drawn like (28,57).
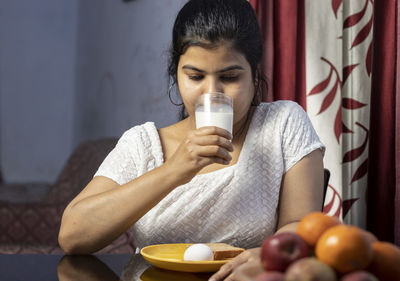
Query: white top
(236,204)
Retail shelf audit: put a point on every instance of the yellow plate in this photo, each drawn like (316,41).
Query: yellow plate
(170,256)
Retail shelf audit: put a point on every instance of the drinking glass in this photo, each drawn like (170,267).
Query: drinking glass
(214,109)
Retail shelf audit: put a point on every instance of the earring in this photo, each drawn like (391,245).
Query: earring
(169,95)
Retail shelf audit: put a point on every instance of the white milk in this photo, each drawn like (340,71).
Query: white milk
(222,120)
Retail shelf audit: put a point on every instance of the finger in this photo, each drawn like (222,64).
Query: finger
(205,161)
(212,130)
(236,276)
(214,140)
(231,277)
(223,272)
(227,268)
(218,160)
(249,269)
(213,151)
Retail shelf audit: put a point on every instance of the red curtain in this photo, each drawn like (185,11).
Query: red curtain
(284,55)
(283,26)
(397,133)
(382,212)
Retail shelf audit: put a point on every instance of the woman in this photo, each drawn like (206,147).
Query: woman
(182,184)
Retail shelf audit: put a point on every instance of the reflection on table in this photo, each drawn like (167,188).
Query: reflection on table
(155,274)
(91,268)
(87,267)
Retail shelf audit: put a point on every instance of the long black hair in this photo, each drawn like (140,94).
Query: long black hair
(208,23)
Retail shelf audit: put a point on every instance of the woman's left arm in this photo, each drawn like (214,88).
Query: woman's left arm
(301,193)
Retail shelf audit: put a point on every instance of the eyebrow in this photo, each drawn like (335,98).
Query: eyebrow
(229,68)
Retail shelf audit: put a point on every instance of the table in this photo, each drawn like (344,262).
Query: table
(108,267)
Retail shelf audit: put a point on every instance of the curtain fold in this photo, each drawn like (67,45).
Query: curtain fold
(397,134)
(283,29)
(289,46)
(381,179)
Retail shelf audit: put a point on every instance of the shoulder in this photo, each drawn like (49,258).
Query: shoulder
(280,106)
(140,133)
(139,139)
(132,154)
(141,145)
(280,111)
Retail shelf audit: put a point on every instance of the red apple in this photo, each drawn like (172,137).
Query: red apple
(309,269)
(280,250)
(271,276)
(359,275)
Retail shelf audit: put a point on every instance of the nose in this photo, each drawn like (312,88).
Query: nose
(213,85)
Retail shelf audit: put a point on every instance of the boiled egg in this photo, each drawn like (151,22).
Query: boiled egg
(198,252)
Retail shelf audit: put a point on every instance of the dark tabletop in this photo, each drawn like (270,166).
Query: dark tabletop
(87,268)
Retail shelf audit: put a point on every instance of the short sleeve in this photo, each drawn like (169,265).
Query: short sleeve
(119,165)
(298,136)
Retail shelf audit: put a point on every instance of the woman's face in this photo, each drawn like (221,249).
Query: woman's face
(220,69)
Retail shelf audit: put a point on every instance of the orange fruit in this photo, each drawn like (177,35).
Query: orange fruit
(371,237)
(311,227)
(345,248)
(385,263)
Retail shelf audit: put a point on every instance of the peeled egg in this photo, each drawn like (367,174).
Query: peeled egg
(198,252)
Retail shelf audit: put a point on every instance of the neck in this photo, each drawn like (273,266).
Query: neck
(240,128)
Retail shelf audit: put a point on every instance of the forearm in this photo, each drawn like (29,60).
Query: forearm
(290,227)
(95,221)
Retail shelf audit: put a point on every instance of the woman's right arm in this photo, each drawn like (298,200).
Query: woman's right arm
(104,209)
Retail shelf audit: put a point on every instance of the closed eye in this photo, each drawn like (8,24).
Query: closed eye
(196,77)
(229,78)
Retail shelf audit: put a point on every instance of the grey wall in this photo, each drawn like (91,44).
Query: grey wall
(122,62)
(75,70)
(37,63)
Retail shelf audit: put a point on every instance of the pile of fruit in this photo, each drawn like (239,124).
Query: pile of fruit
(323,248)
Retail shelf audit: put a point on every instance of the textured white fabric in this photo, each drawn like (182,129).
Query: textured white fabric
(236,204)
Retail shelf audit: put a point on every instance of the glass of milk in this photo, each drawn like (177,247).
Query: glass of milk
(214,109)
